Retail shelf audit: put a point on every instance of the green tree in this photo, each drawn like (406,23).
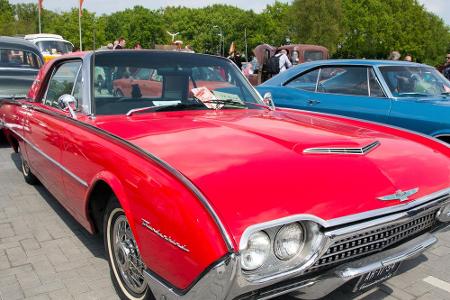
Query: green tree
(316,22)
(6,18)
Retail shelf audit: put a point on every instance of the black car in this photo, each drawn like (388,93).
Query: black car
(20,61)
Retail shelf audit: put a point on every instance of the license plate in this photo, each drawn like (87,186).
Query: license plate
(375,277)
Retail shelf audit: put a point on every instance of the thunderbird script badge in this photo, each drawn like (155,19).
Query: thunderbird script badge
(399,195)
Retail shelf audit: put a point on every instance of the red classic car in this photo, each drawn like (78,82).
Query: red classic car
(211,194)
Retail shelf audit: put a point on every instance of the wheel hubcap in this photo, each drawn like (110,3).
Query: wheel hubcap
(127,256)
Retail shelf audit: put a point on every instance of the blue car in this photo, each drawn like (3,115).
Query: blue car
(409,95)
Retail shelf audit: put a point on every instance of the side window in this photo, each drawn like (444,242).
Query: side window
(62,82)
(305,81)
(375,88)
(347,80)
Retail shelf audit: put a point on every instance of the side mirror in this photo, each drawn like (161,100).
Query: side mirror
(268,100)
(68,102)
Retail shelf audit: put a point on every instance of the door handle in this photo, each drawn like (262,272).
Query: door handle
(313,102)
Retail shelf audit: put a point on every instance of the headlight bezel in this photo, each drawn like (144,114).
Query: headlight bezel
(443,215)
(315,242)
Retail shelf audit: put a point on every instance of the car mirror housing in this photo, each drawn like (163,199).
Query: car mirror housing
(268,100)
(67,102)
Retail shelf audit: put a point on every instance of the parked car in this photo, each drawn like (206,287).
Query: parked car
(409,95)
(211,194)
(19,64)
(50,45)
(297,54)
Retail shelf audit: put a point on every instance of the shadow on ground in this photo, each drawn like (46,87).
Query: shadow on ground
(94,243)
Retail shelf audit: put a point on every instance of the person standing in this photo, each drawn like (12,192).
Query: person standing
(446,70)
(408,57)
(121,44)
(394,55)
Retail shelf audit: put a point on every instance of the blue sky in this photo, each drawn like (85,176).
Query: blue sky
(439,7)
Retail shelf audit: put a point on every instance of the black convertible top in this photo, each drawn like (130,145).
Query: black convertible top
(7,42)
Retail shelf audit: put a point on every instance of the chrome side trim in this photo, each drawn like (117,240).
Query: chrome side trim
(355,151)
(67,171)
(437,197)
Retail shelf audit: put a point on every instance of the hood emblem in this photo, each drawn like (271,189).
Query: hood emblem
(399,195)
(357,151)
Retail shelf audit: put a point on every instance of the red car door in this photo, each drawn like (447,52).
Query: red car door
(45,131)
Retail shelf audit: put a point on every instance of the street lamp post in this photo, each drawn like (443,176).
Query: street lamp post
(222,40)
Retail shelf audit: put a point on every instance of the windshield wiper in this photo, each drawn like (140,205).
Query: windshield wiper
(170,107)
(414,94)
(226,102)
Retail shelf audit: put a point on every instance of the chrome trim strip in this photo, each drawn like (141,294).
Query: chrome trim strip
(436,196)
(67,171)
(353,151)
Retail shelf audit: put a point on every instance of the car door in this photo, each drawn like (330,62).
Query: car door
(353,91)
(45,129)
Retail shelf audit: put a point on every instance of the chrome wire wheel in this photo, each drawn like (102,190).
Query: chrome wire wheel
(126,256)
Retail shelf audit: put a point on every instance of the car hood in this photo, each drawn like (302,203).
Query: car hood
(251,165)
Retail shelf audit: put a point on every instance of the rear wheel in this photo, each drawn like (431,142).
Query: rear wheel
(127,268)
(26,171)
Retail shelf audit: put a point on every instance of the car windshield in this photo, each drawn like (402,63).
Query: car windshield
(14,58)
(127,82)
(54,47)
(415,81)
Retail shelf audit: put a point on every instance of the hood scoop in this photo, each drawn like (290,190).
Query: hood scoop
(333,150)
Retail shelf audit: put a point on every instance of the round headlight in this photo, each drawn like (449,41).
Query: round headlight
(257,251)
(443,214)
(289,241)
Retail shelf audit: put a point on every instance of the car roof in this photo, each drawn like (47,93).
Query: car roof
(18,43)
(285,76)
(87,54)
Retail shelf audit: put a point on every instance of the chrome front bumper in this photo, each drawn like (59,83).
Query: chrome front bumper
(324,284)
(222,281)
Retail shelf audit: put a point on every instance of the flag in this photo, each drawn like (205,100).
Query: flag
(81,7)
(40,5)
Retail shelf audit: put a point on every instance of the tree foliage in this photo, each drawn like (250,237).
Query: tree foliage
(317,22)
(349,28)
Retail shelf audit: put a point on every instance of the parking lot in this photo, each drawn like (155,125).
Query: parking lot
(45,254)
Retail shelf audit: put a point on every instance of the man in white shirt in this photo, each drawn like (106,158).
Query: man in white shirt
(285,63)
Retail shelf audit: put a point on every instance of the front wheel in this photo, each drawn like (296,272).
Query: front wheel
(26,171)
(127,268)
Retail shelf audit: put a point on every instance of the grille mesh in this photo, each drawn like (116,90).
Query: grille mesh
(370,241)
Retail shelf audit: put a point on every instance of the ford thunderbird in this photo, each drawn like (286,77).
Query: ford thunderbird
(204,190)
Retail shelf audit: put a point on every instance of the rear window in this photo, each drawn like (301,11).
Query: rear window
(15,58)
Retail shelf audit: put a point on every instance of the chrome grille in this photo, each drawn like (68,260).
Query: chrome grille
(369,241)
